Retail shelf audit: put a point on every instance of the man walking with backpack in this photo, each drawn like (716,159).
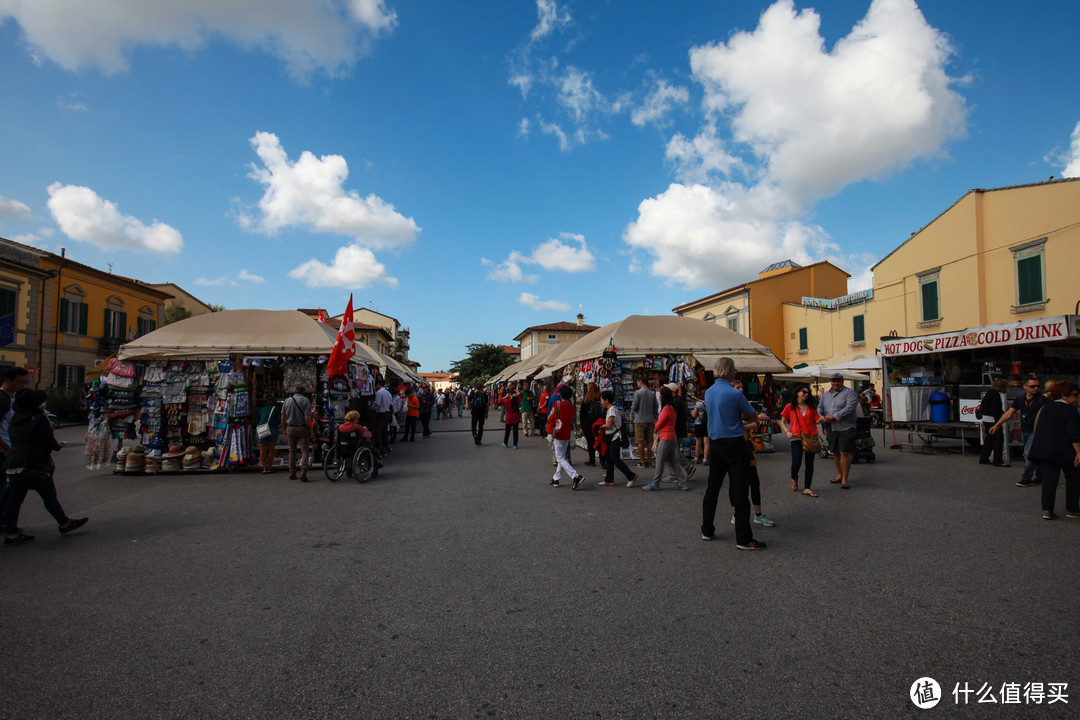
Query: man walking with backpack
(478,408)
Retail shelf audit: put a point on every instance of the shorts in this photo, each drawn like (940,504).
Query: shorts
(643,433)
(842,441)
(701,431)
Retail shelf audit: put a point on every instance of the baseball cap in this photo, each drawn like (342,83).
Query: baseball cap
(836,376)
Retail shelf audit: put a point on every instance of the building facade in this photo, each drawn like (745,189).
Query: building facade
(538,338)
(756,308)
(994,256)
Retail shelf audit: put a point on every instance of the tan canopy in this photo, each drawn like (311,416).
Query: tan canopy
(640,335)
(250,332)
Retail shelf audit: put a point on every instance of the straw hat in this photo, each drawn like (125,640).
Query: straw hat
(175,451)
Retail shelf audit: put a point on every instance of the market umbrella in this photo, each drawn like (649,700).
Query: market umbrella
(532,365)
(866,363)
(819,372)
(554,361)
(640,335)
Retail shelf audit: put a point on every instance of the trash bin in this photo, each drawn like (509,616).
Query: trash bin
(939,407)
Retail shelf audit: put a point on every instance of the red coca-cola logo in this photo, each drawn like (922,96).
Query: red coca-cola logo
(967,410)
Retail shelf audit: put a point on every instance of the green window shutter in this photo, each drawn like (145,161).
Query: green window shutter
(123,334)
(84,312)
(930,301)
(803,342)
(64,310)
(1029,280)
(858,328)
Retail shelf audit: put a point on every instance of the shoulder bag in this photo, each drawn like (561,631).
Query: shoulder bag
(810,443)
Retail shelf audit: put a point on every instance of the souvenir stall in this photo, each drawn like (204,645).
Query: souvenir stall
(661,349)
(933,384)
(184,397)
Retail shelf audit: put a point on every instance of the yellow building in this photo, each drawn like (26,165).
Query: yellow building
(756,308)
(538,338)
(21,287)
(81,314)
(994,256)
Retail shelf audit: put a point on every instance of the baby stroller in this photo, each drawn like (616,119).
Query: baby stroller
(864,442)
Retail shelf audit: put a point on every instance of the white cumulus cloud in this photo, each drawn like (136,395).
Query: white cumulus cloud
(13,209)
(798,122)
(309,194)
(84,216)
(353,267)
(662,98)
(307,36)
(567,253)
(1072,157)
(534,302)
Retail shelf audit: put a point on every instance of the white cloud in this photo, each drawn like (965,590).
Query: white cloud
(551,18)
(698,160)
(84,216)
(659,102)
(251,277)
(353,267)
(530,300)
(509,270)
(307,36)
(13,209)
(72,102)
(309,194)
(213,282)
(553,254)
(523,128)
(1072,158)
(803,123)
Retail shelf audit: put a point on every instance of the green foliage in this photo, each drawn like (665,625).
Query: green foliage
(174,312)
(66,404)
(484,360)
(216,308)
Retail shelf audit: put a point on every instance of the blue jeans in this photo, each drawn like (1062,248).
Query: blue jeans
(1030,468)
(798,458)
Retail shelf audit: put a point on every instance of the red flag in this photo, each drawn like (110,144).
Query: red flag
(323,317)
(344,346)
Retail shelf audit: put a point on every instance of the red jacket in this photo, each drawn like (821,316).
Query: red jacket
(561,410)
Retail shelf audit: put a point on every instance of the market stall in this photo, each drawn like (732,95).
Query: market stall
(184,397)
(934,383)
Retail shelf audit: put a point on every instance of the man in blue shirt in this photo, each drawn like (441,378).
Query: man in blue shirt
(838,407)
(726,408)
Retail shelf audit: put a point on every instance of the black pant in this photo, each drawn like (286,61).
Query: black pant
(728,456)
(590,445)
(410,429)
(382,430)
(506,434)
(477,425)
(41,483)
(1049,472)
(994,443)
(425,420)
(615,462)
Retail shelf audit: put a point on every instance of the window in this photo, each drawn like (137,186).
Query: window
(551,338)
(858,328)
(71,376)
(733,324)
(146,325)
(115,324)
(73,316)
(929,296)
(804,344)
(8,298)
(1029,260)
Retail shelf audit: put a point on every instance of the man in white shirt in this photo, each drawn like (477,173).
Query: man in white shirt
(384,404)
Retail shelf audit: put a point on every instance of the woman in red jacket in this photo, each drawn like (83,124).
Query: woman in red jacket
(562,414)
(512,402)
(667,444)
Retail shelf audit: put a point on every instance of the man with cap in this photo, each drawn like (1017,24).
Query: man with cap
(838,407)
(296,414)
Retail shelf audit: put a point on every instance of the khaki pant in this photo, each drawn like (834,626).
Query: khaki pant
(298,436)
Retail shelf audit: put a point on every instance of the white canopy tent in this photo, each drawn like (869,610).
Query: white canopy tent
(817,373)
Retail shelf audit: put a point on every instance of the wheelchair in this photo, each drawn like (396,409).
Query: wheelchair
(350,455)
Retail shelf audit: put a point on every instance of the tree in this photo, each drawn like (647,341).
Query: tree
(174,312)
(484,360)
(216,308)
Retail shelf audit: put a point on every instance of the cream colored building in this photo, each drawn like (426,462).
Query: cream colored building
(994,256)
(756,308)
(182,298)
(395,336)
(538,338)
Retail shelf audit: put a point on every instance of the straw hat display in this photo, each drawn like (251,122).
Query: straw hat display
(192,459)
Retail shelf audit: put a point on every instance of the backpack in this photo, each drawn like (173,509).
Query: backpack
(478,402)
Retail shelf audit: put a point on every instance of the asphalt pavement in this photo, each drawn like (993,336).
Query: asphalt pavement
(460,585)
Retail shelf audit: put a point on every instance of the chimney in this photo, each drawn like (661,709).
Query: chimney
(580,319)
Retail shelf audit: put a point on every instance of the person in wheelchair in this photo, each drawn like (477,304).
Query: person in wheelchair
(349,435)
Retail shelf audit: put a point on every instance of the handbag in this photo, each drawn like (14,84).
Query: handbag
(263,429)
(810,443)
(558,419)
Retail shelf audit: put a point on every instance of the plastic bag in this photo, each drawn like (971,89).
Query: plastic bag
(98,443)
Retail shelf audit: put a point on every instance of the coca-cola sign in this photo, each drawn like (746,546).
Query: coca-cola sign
(1052,329)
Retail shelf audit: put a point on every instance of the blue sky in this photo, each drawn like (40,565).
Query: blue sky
(476,168)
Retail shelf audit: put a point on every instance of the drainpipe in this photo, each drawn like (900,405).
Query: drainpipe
(56,327)
(41,323)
